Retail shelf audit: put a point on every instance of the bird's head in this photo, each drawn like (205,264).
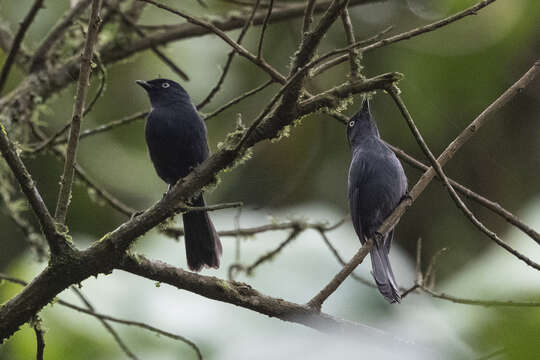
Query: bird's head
(361,125)
(164,92)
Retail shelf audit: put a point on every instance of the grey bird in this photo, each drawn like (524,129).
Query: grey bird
(377,183)
(176,139)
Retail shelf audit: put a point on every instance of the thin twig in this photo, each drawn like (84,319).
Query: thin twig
(40,340)
(230,57)
(109,126)
(263,29)
(238,99)
(429,278)
(160,54)
(339,258)
(354,58)
(473,10)
(394,93)
(308,16)
(486,303)
(64,196)
(188,209)
(251,231)
(17,41)
(271,254)
(52,139)
(56,241)
(105,324)
(89,182)
(317,301)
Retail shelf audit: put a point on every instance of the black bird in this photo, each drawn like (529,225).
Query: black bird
(377,183)
(176,139)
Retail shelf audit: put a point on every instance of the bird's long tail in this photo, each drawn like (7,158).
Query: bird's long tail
(382,271)
(203,247)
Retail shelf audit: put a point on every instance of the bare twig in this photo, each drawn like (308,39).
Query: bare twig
(160,54)
(17,41)
(109,126)
(429,278)
(263,29)
(308,16)
(271,254)
(230,57)
(486,303)
(55,240)
(251,231)
(64,196)
(394,93)
(52,139)
(187,209)
(90,183)
(339,258)
(317,301)
(473,10)
(243,295)
(59,29)
(40,341)
(354,59)
(238,99)
(105,324)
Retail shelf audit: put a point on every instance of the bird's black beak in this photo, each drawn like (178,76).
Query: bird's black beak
(144,84)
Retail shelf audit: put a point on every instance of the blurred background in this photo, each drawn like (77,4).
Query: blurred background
(451,75)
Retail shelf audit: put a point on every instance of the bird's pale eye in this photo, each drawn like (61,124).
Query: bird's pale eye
(165,85)
(351,123)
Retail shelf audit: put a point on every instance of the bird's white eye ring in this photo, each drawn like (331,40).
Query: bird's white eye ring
(351,123)
(165,85)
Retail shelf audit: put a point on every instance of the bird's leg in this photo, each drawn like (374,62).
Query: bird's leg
(166,192)
(405,197)
(135,214)
(378,237)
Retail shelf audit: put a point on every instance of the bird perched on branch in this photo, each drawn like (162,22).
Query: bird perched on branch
(377,183)
(176,140)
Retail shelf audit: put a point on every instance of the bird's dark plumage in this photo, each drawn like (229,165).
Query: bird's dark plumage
(176,139)
(377,183)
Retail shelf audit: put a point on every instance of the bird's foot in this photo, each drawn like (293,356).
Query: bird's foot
(135,214)
(406,197)
(378,237)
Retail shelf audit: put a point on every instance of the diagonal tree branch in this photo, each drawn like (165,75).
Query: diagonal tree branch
(243,295)
(55,240)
